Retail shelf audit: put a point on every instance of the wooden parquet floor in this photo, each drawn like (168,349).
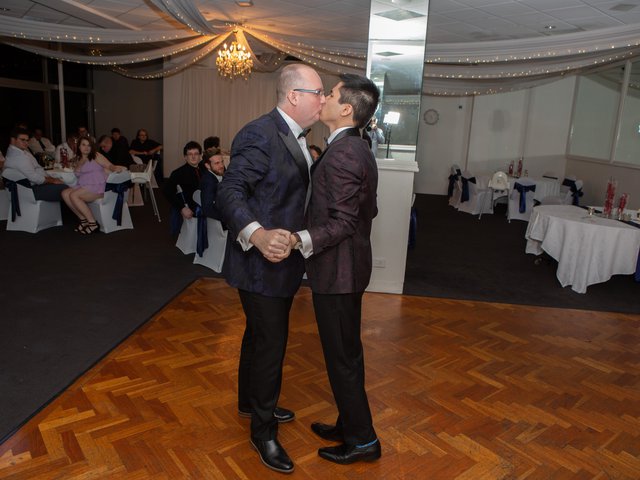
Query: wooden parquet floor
(458,389)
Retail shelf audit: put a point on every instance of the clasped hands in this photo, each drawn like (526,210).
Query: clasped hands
(275,245)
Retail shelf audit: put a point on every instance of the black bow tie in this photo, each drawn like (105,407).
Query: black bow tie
(304,132)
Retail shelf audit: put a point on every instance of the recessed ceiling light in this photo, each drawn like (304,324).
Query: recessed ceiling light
(549,27)
(244,3)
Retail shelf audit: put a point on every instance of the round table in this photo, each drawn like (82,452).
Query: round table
(588,249)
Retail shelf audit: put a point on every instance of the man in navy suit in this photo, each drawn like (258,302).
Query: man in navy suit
(337,248)
(211,177)
(262,199)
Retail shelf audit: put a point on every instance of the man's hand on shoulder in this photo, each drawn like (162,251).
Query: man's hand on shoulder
(273,244)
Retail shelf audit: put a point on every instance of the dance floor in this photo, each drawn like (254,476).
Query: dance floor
(458,390)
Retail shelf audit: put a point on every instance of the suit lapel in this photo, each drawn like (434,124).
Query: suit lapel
(291,142)
(349,132)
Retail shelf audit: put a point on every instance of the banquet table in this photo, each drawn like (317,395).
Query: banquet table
(589,249)
(67,176)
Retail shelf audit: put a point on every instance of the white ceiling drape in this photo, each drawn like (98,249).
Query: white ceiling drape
(450,69)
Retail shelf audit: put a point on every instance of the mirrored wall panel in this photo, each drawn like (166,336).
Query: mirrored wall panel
(395,62)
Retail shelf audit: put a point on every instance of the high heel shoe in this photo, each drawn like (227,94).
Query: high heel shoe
(90,228)
(83,223)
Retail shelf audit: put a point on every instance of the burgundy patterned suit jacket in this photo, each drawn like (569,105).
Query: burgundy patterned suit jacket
(339,216)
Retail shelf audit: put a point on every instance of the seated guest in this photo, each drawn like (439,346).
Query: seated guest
(187,177)
(1,161)
(143,147)
(211,176)
(83,131)
(120,150)
(19,158)
(105,147)
(40,144)
(70,147)
(213,143)
(315,151)
(92,170)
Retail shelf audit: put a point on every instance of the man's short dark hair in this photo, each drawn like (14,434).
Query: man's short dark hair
(190,146)
(211,142)
(362,94)
(115,130)
(19,131)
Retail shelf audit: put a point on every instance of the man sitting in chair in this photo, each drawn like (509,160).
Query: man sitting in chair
(19,158)
(211,176)
(179,187)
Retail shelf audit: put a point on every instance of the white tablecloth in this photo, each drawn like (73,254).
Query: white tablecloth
(588,249)
(68,177)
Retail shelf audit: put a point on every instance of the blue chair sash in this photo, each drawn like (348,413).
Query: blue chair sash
(452,183)
(202,238)
(523,189)
(120,189)
(575,192)
(12,186)
(464,197)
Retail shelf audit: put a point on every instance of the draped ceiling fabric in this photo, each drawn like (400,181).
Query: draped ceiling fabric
(450,69)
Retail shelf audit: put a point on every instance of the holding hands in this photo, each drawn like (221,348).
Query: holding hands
(275,245)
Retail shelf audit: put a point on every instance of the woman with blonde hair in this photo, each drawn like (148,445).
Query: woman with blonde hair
(92,170)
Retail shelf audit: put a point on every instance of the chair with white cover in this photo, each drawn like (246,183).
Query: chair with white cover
(570,193)
(521,199)
(473,199)
(188,237)
(4,204)
(27,214)
(144,178)
(454,189)
(111,211)
(213,248)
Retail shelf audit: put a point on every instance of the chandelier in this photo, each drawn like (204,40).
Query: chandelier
(234,61)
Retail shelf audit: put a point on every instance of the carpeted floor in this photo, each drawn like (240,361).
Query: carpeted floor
(459,256)
(67,300)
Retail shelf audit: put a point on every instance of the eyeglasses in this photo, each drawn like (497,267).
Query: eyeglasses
(317,91)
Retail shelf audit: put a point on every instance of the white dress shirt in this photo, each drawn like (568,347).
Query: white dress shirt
(25,163)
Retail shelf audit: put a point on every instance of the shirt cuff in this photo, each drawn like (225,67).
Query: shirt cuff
(307,245)
(245,235)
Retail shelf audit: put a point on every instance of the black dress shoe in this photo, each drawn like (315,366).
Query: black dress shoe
(282,415)
(273,455)
(328,432)
(345,454)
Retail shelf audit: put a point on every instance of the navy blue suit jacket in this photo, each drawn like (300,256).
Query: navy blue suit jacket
(208,193)
(266,182)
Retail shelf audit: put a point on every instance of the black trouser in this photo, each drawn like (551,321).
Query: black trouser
(338,318)
(261,357)
(49,192)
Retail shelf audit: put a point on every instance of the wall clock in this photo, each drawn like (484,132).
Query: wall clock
(431,116)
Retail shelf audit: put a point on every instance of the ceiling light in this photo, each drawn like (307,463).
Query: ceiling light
(234,61)
(549,27)
(244,3)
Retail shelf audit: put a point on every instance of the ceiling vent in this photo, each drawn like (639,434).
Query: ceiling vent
(399,14)
(623,7)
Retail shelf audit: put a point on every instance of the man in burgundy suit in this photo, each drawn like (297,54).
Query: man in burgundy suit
(337,248)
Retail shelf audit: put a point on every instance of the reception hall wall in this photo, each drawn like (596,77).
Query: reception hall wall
(481,133)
